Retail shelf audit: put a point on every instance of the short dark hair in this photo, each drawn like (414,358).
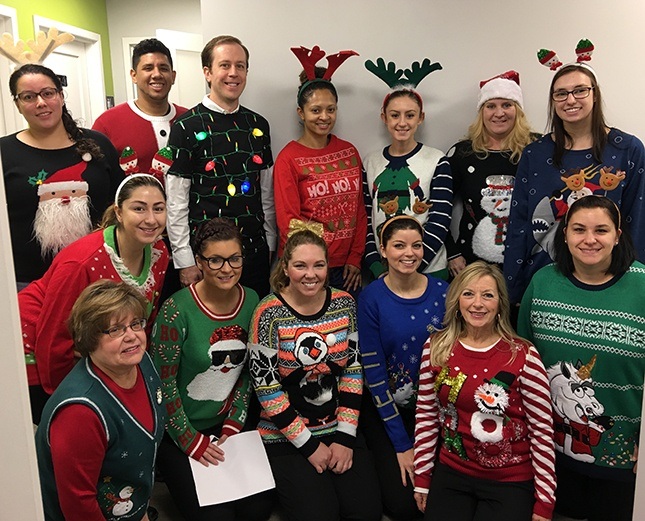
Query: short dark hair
(307,86)
(147,46)
(207,51)
(623,254)
(215,230)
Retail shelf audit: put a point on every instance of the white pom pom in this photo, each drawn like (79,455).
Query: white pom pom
(331,339)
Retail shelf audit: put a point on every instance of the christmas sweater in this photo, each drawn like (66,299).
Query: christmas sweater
(393,330)
(484,221)
(224,160)
(418,184)
(126,475)
(306,371)
(46,303)
(324,186)
(544,192)
(201,358)
(26,168)
(492,415)
(592,342)
(127,126)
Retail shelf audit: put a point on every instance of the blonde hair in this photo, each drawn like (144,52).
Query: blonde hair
(519,137)
(442,342)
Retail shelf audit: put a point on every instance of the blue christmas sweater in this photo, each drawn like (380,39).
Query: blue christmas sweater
(543,193)
(393,330)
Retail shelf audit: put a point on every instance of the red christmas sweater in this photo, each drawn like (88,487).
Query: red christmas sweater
(324,186)
(46,303)
(492,415)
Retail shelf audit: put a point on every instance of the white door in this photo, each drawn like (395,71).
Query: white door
(70,62)
(186,49)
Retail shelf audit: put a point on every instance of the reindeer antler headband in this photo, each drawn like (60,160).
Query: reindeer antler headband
(584,50)
(35,51)
(309,57)
(399,79)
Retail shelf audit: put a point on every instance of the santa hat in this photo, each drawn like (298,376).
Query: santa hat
(127,156)
(233,332)
(65,179)
(503,86)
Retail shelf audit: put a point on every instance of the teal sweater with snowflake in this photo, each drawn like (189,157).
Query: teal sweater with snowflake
(592,343)
(201,358)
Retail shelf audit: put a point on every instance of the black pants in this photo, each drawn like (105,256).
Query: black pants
(398,501)
(256,270)
(458,497)
(306,495)
(37,399)
(175,469)
(595,499)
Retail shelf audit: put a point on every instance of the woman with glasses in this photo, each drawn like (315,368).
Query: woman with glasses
(580,156)
(58,178)
(127,248)
(98,440)
(199,347)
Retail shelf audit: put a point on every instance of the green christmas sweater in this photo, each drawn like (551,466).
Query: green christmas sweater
(201,358)
(592,342)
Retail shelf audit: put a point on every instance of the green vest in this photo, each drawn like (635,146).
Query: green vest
(127,474)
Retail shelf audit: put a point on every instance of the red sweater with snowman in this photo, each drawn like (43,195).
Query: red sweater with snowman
(45,304)
(492,415)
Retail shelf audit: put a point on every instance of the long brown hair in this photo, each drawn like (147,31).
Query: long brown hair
(279,279)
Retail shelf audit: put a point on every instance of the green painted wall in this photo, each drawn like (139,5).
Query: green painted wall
(90,15)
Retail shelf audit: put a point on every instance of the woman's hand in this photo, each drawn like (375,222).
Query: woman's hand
(341,458)
(352,277)
(406,465)
(213,454)
(535,517)
(421,500)
(189,275)
(456,265)
(320,458)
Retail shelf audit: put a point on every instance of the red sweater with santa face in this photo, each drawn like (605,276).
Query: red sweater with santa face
(492,415)
(46,303)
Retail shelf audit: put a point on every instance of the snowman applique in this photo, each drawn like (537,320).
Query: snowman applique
(492,429)
(490,233)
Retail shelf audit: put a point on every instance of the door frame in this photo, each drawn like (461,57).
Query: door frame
(94,60)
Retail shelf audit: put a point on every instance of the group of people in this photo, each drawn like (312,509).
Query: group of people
(400,388)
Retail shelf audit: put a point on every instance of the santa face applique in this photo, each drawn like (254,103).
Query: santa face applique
(63,214)
(227,355)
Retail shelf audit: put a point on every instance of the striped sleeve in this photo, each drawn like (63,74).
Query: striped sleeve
(437,222)
(426,432)
(535,394)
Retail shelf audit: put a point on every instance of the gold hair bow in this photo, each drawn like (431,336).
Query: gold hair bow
(296,225)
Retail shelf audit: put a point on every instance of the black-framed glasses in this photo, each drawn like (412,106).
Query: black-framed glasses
(28,97)
(217,263)
(118,331)
(578,93)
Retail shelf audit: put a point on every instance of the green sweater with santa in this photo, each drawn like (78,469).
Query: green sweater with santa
(592,342)
(201,358)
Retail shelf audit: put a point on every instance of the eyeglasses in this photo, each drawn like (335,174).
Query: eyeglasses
(118,331)
(578,93)
(217,263)
(28,97)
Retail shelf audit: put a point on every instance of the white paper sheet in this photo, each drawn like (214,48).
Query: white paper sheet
(244,472)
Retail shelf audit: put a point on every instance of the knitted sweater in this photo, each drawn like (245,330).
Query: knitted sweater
(469,173)
(46,303)
(543,193)
(418,184)
(323,186)
(201,359)
(125,474)
(306,371)
(25,168)
(125,125)
(393,330)
(592,342)
(493,416)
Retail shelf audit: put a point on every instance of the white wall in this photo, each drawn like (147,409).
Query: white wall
(473,40)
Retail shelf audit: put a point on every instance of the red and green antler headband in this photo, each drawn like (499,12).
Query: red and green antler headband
(584,50)
(399,79)
(309,57)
